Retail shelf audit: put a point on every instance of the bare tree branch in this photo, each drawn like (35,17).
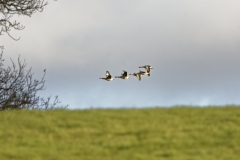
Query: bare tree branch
(18,88)
(8,8)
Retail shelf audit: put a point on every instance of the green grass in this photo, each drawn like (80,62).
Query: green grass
(179,133)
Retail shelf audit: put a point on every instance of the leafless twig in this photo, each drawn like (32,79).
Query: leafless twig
(8,8)
(18,88)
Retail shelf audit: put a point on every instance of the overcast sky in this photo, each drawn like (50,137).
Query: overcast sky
(194,47)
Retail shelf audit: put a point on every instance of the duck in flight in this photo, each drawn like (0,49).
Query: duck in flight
(137,74)
(147,69)
(142,73)
(108,76)
(123,76)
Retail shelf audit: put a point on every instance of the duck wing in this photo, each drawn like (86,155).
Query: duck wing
(107,73)
(139,77)
(108,77)
(124,73)
(147,69)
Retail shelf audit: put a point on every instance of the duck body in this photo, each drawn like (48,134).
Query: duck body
(137,74)
(108,77)
(142,73)
(123,76)
(147,69)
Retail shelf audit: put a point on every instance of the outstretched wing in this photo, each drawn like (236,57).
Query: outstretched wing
(139,77)
(108,75)
(141,73)
(147,69)
(124,73)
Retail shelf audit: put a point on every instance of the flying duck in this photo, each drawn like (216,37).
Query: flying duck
(123,76)
(108,76)
(142,73)
(137,74)
(147,68)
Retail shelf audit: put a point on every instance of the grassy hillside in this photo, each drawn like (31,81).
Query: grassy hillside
(182,133)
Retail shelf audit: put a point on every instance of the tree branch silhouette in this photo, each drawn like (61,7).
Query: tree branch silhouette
(18,88)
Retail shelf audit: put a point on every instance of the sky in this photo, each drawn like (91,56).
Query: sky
(194,47)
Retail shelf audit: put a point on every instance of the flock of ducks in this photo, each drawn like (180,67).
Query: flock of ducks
(126,76)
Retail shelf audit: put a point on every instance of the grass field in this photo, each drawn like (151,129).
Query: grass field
(178,133)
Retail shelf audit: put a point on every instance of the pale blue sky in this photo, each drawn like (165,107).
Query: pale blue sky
(194,47)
